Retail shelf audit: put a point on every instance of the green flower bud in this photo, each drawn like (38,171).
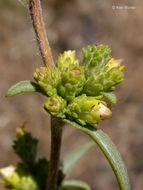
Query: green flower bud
(72,76)
(56,106)
(47,79)
(72,81)
(66,59)
(101,76)
(17,178)
(88,110)
(95,57)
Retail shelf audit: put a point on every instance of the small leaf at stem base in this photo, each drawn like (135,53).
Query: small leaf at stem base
(23,86)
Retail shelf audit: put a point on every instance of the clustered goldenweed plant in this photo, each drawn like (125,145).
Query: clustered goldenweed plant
(76,91)
(77,94)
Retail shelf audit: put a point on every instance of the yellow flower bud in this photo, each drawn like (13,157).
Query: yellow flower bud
(105,112)
(115,63)
(8,171)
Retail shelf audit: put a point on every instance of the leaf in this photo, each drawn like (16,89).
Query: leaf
(41,172)
(23,86)
(109,150)
(75,183)
(110,96)
(71,159)
(25,146)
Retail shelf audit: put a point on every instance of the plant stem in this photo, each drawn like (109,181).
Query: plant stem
(38,24)
(56,140)
(56,125)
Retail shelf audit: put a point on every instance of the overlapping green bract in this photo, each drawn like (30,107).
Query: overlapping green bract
(47,79)
(72,76)
(69,85)
(72,81)
(56,106)
(66,59)
(99,76)
(88,110)
(95,58)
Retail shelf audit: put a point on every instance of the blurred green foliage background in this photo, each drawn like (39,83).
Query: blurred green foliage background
(74,24)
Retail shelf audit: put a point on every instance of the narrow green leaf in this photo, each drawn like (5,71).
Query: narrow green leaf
(71,159)
(75,183)
(23,86)
(110,96)
(109,150)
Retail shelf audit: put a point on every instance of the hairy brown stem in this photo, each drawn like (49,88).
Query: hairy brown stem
(56,140)
(56,125)
(38,24)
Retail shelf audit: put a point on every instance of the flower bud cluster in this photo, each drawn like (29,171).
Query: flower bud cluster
(88,110)
(102,74)
(47,79)
(76,91)
(17,178)
(72,76)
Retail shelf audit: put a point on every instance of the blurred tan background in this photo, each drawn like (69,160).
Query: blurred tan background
(73,24)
